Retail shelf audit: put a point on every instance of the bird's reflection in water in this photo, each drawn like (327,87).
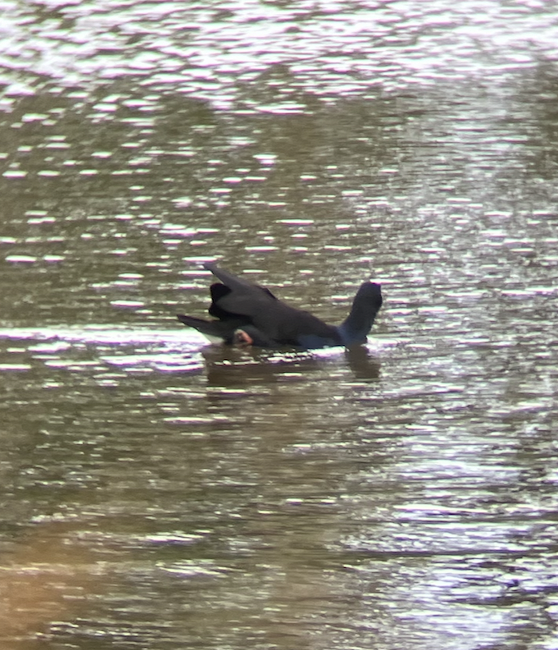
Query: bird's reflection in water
(242,366)
(363,364)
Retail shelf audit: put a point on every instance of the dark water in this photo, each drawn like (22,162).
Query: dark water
(159,493)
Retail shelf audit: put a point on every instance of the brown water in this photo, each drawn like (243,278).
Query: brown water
(156,492)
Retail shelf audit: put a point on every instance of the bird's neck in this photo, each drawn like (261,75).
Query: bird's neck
(356,327)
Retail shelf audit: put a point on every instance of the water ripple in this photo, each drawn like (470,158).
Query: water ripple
(216,52)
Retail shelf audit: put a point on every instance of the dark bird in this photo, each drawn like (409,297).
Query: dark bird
(249,314)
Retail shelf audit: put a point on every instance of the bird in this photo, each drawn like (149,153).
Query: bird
(248,314)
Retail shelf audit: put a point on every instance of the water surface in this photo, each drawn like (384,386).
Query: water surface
(158,492)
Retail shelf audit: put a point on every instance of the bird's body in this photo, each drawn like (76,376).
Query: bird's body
(247,313)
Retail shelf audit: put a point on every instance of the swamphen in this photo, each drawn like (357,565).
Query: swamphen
(249,314)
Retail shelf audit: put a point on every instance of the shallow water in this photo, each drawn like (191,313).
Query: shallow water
(159,492)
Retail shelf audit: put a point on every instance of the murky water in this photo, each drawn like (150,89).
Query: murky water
(160,493)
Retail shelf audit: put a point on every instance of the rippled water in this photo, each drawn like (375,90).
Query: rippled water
(158,492)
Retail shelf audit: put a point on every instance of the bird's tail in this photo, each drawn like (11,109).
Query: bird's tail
(212,329)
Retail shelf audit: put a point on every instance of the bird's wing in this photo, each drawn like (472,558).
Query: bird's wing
(275,319)
(234,282)
(241,303)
